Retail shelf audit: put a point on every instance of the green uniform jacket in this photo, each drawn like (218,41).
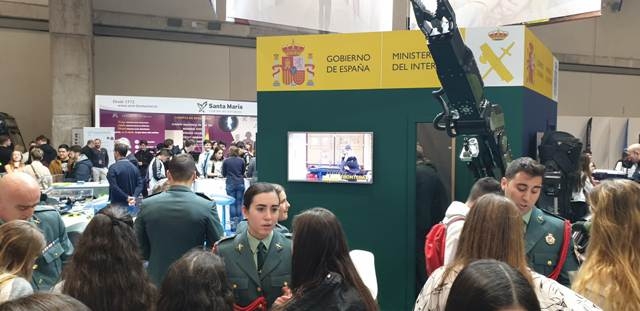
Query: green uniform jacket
(58,249)
(243,225)
(543,243)
(242,272)
(173,222)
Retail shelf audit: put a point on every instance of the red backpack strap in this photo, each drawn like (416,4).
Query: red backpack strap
(564,251)
(455,219)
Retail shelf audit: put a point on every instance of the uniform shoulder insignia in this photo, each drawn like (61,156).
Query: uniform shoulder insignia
(288,235)
(44,208)
(225,239)
(204,196)
(547,213)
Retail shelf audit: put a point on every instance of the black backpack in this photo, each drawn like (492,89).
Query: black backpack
(560,154)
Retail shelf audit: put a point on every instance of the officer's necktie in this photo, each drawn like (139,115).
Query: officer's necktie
(206,160)
(262,253)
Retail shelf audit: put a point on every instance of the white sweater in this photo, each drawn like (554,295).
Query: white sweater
(454,228)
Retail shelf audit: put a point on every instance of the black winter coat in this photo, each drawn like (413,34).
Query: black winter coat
(333,294)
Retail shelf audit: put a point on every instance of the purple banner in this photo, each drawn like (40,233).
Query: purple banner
(135,126)
(190,125)
(213,130)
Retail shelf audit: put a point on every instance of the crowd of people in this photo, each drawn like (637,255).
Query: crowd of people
(498,239)
(147,175)
(500,251)
(173,256)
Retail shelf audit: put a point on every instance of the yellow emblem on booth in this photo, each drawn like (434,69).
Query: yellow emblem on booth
(291,69)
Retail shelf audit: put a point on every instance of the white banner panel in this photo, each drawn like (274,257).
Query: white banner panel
(491,13)
(174,105)
(331,15)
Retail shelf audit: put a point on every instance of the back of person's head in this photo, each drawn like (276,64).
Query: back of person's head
(106,271)
(320,247)
(234,151)
(483,186)
(524,164)
(121,149)
(255,189)
(168,142)
(196,282)
(491,285)
(36,154)
(613,257)
(42,139)
(493,229)
(20,244)
(181,167)
(75,148)
(44,302)
(189,142)
(123,141)
(164,152)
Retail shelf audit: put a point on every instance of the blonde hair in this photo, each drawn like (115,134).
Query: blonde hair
(610,276)
(36,154)
(21,243)
(492,230)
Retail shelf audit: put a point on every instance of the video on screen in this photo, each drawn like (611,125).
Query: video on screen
(331,157)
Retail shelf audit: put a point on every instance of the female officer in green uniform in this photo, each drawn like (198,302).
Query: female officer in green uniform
(258,260)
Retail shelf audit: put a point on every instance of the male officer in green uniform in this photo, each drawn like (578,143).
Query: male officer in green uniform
(171,223)
(548,242)
(258,260)
(19,199)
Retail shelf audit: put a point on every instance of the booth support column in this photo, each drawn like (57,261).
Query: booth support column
(71,40)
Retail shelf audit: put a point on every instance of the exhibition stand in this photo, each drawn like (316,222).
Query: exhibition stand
(77,216)
(381,83)
(96,189)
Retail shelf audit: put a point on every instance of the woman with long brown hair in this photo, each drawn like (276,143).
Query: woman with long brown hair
(610,275)
(323,276)
(493,229)
(581,190)
(16,164)
(20,245)
(196,282)
(106,271)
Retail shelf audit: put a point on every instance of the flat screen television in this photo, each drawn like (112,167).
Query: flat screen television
(330,157)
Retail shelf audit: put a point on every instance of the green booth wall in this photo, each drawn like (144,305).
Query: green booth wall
(378,217)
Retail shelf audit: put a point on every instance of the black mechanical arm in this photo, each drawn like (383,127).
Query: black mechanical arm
(465,110)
